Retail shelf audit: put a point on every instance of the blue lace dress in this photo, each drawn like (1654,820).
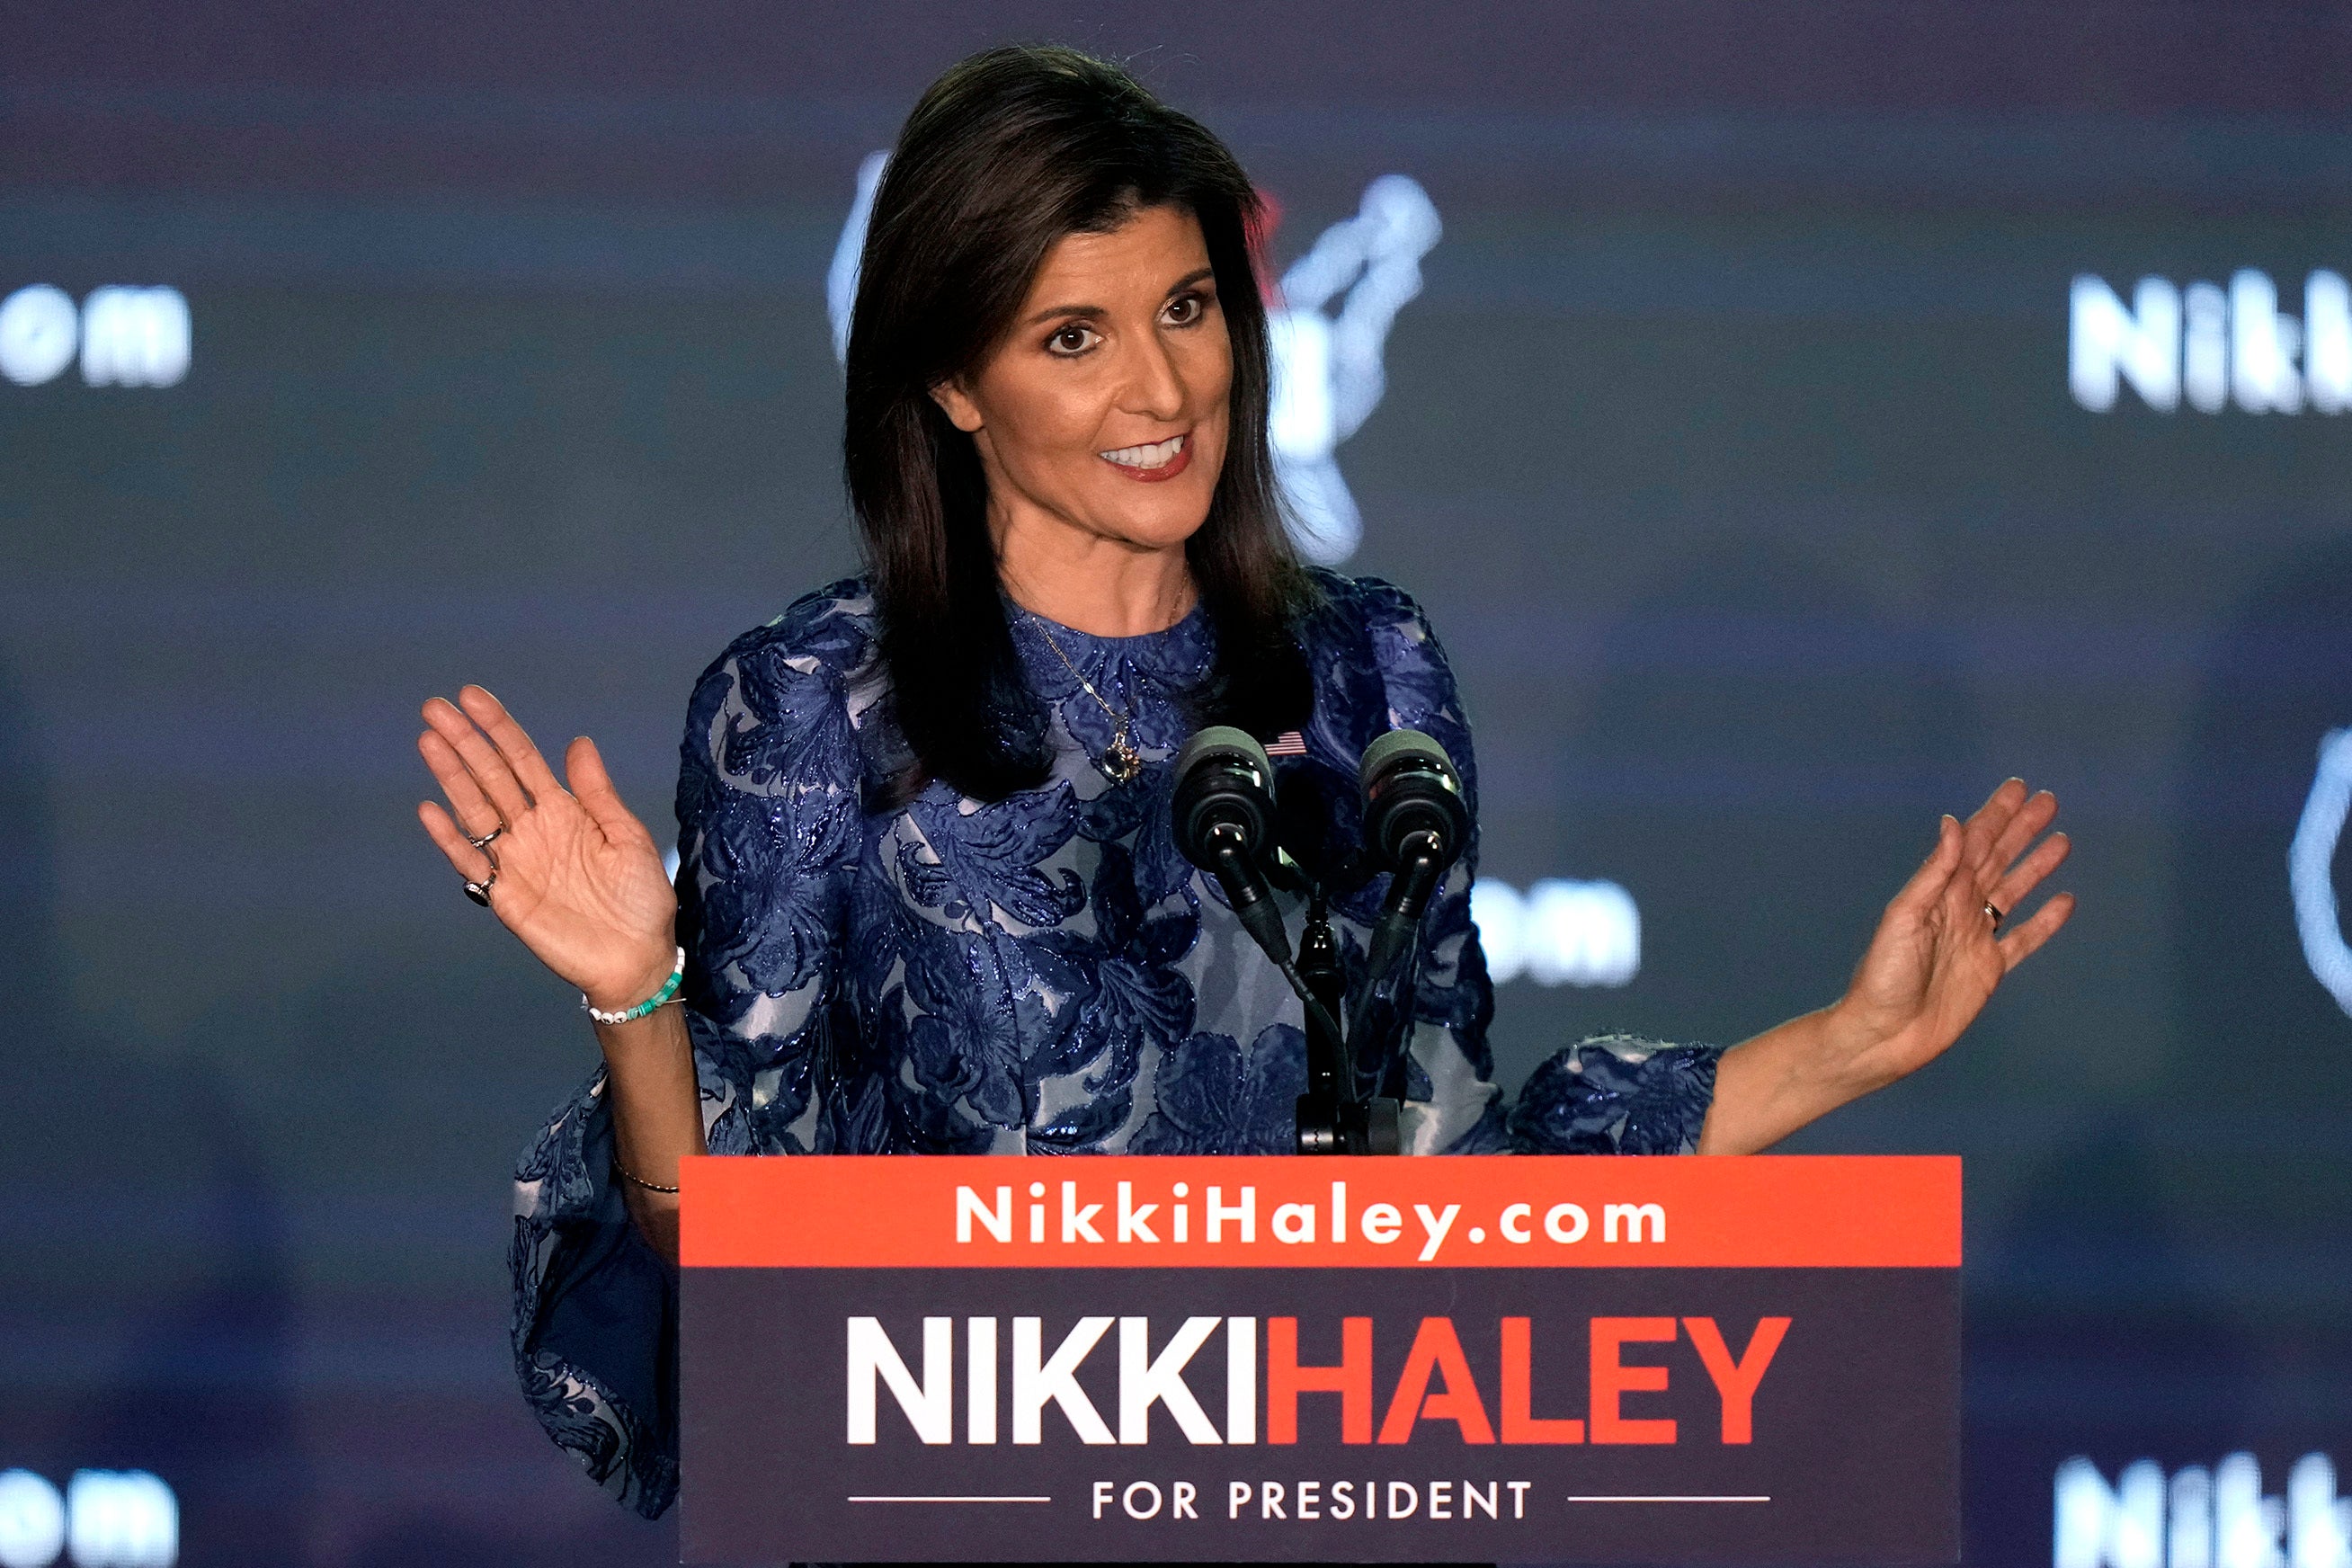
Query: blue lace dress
(1043,974)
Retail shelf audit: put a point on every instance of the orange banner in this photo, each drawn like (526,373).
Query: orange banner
(1280,1211)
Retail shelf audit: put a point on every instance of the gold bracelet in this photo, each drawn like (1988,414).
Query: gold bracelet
(628,1176)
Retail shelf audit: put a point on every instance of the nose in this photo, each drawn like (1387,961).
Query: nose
(1154,388)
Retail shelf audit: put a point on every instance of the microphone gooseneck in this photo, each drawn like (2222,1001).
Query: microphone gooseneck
(1416,822)
(1222,812)
(1233,861)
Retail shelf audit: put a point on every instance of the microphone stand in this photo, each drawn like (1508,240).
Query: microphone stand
(1323,1110)
(1334,1117)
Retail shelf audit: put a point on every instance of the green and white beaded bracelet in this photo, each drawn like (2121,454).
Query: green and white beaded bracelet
(659,999)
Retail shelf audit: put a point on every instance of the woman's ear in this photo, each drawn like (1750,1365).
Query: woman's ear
(962,411)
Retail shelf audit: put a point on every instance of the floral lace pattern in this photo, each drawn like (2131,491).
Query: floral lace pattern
(1043,974)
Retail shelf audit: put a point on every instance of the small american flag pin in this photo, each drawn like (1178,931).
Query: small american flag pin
(1289,743)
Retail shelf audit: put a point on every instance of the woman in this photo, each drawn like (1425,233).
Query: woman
(926,898)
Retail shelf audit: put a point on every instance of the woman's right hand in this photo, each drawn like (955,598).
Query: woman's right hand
(578,877)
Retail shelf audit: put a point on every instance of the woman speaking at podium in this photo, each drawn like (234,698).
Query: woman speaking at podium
(928,899)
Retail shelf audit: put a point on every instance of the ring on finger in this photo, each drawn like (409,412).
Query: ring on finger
(1997,916)
(483,843)
(480,892)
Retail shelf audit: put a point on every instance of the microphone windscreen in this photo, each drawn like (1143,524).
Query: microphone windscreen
(1411,787)
(1223,741)
(1221,777)
(1405,747)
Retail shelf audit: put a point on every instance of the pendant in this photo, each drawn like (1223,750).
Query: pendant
(1119,763)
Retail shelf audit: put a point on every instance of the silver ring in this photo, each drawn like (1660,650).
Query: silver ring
(480,892)
(483,843)
(1997,916)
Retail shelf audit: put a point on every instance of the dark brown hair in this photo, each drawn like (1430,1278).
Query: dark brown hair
(1005,154)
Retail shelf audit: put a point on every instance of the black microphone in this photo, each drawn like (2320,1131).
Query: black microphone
(1223,814)
(1416,822)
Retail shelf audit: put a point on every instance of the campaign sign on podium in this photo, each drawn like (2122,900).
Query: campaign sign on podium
(1597,1360)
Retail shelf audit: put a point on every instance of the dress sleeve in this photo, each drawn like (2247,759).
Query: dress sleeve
(768,809)
(1611,1094)
(1616,1094)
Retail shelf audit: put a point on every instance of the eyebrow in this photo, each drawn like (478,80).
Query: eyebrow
(1053,312)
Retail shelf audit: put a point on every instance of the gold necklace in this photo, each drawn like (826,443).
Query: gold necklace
(1119,762)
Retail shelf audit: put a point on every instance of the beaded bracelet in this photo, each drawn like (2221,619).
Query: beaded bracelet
(660,997)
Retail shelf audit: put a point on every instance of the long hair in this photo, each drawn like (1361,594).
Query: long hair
(1005,154)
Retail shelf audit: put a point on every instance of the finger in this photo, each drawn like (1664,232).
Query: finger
(1927,885)
(2038,812)
(490,771)
(513,744)
(2018,885)
(470,863)
(1987,821)
(476,816)
(2022,941)
(584,766)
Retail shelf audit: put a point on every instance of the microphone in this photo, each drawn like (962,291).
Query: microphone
(1223,814)
(1416,822)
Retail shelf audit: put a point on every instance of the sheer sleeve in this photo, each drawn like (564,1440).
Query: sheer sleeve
(768,807)
(1610,1094)
(1616,1094)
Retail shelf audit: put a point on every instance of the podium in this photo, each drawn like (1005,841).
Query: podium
(1147,1359)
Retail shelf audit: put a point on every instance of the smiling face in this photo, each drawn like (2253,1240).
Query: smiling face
(1103,414)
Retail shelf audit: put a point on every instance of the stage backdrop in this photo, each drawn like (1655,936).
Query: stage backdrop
(1795,419)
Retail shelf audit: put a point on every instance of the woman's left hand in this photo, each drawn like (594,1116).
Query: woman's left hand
(1936,959)
(1941,949)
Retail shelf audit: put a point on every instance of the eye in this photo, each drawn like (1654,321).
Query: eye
(1186,309)
(1073,340)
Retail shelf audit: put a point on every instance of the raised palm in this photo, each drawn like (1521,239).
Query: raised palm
(571,872)
(1938,953)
